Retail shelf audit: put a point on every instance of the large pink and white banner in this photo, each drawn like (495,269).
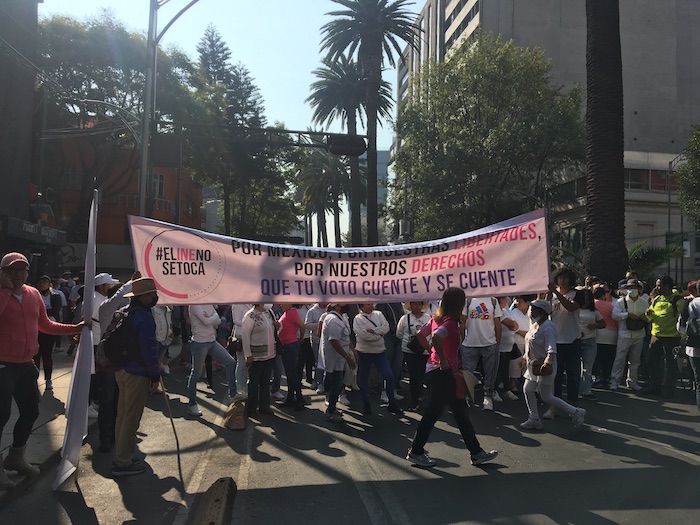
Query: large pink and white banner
(195,267)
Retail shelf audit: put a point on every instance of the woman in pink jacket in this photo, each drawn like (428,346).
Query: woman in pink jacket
(22,315)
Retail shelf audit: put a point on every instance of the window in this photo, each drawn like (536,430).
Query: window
(636,179)
(157,184)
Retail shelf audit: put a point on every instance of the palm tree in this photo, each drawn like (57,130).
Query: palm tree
(324,179)
(340,92)
(373,28)
(605,254)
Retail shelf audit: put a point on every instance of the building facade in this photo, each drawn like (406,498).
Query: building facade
(661,75)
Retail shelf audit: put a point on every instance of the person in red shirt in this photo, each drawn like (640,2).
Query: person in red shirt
(290,334)
(22,315)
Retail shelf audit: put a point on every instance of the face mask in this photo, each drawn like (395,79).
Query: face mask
(267,306)
(633,293)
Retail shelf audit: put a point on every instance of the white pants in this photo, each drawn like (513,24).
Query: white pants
(547,395)
(627,349)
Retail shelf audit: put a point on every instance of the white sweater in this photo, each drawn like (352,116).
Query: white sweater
(368,342)
(204,320)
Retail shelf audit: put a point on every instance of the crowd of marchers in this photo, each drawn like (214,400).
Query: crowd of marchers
(557,348)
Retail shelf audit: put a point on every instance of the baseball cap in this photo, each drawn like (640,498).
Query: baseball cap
(104,278)
(542,305)
(13,258)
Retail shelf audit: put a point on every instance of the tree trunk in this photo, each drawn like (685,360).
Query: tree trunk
(355,188)
(336,221)
(605,254)
(372,69)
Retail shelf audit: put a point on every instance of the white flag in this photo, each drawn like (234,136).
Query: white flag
(83,367)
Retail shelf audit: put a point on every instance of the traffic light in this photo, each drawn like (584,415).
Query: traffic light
(350,145)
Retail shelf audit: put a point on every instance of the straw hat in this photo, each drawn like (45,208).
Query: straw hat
(424,308)
(142,286)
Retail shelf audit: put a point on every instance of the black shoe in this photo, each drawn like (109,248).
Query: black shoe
(251,413)
(289,402)
(590,397)
(106,446)
(394,407)
(366,409)
(136,467)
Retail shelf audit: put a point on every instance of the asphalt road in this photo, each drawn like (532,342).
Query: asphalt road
(636,460)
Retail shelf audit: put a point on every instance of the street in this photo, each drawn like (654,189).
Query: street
(636,460)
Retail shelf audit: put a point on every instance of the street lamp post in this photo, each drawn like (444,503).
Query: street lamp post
(152,40)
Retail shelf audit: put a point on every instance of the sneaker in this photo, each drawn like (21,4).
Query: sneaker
(551,413)
(421,460)
(49,385)
(278,395)
(487,404)
(398,396)
(531,424)
(335,417)
(238,396)
(92,412)
(589,396)
(366,409)
(136,467)
(193,410)
(483,457)
(578,417)
(497,398)
(510,396)
(320,389)
(394,408)
(326,401)
(630,384)
(384,398)
(165,370)
(343,400)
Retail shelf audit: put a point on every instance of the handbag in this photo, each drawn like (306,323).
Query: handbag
(234,345)
(539,369)
(414,345)
(515,352)
(465,384)
(632,324)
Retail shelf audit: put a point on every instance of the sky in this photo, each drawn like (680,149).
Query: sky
(277,40)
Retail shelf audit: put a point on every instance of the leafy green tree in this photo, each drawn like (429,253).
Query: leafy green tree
(484,137)
(689,179)
(605,254)
(375,29)
(255,187)
(100,60)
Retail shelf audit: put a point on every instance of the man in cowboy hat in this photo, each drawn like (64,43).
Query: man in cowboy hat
(139,377)
(22,315)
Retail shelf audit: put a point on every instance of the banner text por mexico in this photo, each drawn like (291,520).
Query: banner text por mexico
(196,267)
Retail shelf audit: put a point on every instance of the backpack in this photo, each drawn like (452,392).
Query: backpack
(118,343)
(692,329)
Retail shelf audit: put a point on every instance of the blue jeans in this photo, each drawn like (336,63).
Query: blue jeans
(489,360)
(695,365)
(199,353)
(290,358)
(382,364)
(569,361)
(334,386)
(589,349)
(394,355)
(277,369)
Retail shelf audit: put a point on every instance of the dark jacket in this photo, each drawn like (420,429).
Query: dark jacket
(144,330)
(393,312)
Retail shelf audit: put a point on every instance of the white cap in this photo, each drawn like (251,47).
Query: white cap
(104,278)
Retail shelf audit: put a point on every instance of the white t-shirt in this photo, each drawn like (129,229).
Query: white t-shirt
(587,317)
(408,326)
(566,323)
(480,312)
(507,335)
(523,324)
(337,328)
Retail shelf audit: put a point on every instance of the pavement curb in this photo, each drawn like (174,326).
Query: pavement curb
(215,506)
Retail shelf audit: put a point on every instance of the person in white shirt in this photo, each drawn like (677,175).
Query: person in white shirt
(629,312)
(482,340)
(204,320)
(505,347)
(408,326)
(335,351)
(591,321)
(689,313)
(241,383)
(311,322)
(370,327)
(258,338)
(519,314)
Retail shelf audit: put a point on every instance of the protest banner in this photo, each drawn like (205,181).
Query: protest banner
(195,267)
